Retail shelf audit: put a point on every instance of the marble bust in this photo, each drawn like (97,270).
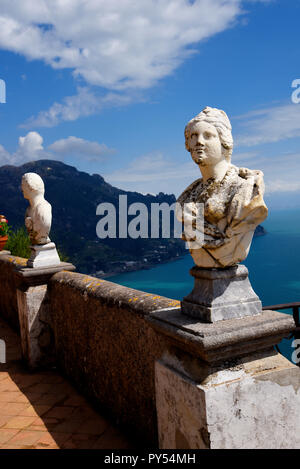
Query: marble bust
(38,219)
(232,197)
(38,216)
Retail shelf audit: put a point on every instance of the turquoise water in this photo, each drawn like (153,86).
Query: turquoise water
(273,264)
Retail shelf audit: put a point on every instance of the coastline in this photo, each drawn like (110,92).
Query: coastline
(134,266)
(139,265)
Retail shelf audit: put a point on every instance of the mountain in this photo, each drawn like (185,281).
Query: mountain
(74,196)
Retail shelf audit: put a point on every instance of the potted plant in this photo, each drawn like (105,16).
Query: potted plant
(4,230)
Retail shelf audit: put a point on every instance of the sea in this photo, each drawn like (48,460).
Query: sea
(273,263)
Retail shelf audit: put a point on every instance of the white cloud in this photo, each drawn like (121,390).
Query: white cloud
(30,148)
(156,172)
(92,151)
(117,45)
(84,103)
(153,173)
(241,158)
(282,186)
(282,172)
(270,125)
(5,157)
(32,143)
(113,44)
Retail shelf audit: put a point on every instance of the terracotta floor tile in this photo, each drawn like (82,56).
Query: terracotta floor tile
(19,422)
(68,426)
(25,437)
(85,412)
(38,428)
(8,385)
(51,399)
(112,439)
(70,444)
(6,434)
(34,411)
(17,377)
(31,397)
(43,411)
(45,421)
(60,412)
(41,446)
(41,388)
(3,376)
(75,400)
(52,379)
(94,426)
(62,388)
(80,442)
(13,408)
(53,439)
(4,419)
(9,396)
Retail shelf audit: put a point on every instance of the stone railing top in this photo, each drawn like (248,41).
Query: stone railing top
(210,342)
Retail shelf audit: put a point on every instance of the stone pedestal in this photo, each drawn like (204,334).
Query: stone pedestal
(223,385)
(44,255)
(252,404)
(34,314)
(220,294)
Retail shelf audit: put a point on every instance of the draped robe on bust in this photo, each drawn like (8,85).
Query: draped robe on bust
(233,208)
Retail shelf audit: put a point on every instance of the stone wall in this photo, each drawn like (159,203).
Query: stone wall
(105,344)
(152,369)
(8,289)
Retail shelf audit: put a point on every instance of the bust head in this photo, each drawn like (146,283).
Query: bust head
(213,122)
(32,185)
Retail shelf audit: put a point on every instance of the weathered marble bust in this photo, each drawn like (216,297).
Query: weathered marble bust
(38,216)
(38,219)
(232,196)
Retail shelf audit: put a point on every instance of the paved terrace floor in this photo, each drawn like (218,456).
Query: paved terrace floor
(43,410)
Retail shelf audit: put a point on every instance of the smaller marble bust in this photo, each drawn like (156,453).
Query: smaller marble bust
(38,216)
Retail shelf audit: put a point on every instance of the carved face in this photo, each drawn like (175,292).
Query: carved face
(32,185)
(205,145)
(25,189)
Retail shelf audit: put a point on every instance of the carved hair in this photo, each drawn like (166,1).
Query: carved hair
(34,182)
(220,121)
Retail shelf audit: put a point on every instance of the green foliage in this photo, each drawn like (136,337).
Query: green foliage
(4,228)
(18,243)
(63,257)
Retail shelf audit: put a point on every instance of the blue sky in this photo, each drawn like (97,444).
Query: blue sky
(109,86)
